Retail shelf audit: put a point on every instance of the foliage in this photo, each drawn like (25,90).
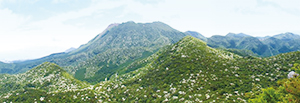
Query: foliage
(288,91)
(268,46)
(191,71)
(47,76)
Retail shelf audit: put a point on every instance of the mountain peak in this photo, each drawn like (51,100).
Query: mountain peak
(196,35)
(191,41)
(237,35)
(46,66)
(287,36)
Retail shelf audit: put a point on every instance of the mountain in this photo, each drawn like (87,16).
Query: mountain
(110,51)
(283,43)
(6,67)
(262,46)
(287,36)
(187,71)
(196,35)
(239,41)
(135,40)
(239,35)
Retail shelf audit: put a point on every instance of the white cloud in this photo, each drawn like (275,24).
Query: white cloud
(9,20)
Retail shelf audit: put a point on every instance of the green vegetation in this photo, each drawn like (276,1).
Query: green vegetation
(47,77)
(191,71)
(265,47)
(288,91)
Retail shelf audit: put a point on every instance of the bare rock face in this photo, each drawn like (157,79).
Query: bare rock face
(292,74)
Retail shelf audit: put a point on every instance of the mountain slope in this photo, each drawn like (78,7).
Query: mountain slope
(62,59)
(121,46)
(6,67)
(47,81)
(239,41)
(283,43)
(47,76)
(190,71)
(287,36)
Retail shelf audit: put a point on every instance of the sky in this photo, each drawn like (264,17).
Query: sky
(31,29)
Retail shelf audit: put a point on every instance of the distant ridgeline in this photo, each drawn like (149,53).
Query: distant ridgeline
(261,46)
(186,71)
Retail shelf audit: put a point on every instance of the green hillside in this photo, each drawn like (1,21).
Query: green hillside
(190,71)
(47,76)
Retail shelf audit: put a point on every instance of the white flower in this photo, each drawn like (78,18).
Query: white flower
(207,96)
(257,79)
(42,98)
(175,97)
(74,96)
(292,74)
(166,100)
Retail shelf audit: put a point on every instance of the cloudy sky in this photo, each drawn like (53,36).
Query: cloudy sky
(34,28)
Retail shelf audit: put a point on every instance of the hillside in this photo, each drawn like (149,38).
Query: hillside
(6,67)
(190,71)
(45,79)
(47,76)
